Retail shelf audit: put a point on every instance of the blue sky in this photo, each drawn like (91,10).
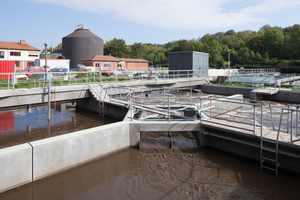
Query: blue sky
(146,21)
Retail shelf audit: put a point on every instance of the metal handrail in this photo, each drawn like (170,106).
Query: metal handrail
(290,111)
(90,77)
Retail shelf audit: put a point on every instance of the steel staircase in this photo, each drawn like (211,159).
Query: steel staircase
(100,95)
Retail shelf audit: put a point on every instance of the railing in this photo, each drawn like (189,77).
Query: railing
(226,114)
(206,106)
(166,104)
(292,121)
(259,71)
(261,84)
(82,78)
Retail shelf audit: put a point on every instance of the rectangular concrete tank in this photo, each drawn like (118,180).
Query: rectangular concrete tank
(190,60)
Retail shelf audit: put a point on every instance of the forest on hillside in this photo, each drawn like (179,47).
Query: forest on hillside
(268,47)
(274,47)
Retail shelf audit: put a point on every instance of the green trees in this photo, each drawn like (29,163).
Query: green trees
(273,42)
(116,47)
(294,41)
(268,45)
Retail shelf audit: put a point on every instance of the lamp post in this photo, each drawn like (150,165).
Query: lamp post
(45,64)
(228,64)
(46,79)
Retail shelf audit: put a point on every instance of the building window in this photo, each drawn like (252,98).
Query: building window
(32,55)
(107,65)
(13,53)
(30,64)
(1,54)
(97,64)
(17,63)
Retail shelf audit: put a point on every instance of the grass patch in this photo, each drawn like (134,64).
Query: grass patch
(231,84)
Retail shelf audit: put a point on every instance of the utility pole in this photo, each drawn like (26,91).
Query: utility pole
(228,64)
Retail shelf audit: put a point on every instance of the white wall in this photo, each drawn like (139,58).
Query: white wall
(24,55)
(52,63)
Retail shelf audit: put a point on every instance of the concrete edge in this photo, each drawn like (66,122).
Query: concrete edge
(78,164)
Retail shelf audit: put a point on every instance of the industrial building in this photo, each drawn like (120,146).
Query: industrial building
(21,53)
(81,44)
(113,63)
(190,60)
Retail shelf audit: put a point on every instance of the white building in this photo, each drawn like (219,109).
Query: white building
(23,54)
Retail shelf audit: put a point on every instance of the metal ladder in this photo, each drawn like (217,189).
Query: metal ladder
(269,152)
(266,158)
(100,95)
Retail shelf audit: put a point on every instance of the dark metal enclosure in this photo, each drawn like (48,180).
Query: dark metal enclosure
(190,60)
(81,44)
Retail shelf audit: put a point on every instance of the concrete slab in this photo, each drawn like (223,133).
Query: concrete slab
(56,154)
(15,166)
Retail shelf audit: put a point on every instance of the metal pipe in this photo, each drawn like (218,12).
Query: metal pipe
(168,108)
(254,118)
(191,96)
(262,121)
(46,77)
(288,119)
(297,120)
(49,100)
(292,126)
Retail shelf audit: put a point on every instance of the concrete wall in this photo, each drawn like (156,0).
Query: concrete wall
(284,96)
(112,110)
(287,96)
(15,166)
(63,152)
(37,96)
(30,162)
(225,90)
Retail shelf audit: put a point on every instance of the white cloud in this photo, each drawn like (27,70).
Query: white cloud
(178,14)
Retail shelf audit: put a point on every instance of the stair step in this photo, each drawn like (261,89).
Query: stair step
(269,149)
(269,159)
(268,168)
(269,140)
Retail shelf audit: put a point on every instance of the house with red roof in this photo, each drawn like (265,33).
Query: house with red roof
(113,63)
(23,54)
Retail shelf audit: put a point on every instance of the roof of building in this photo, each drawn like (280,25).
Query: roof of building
(17,46)
(114,59)
(135,60)
(102,58)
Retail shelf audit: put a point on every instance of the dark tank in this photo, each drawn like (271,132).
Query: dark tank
(81,44)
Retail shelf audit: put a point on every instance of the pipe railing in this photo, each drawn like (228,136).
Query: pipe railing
(217,114)
(177,103)
(81,78)
(292,124)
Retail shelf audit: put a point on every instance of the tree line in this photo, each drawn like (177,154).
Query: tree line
(273,46)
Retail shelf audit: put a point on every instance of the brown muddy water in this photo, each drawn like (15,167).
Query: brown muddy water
(23,125)
(157,171)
